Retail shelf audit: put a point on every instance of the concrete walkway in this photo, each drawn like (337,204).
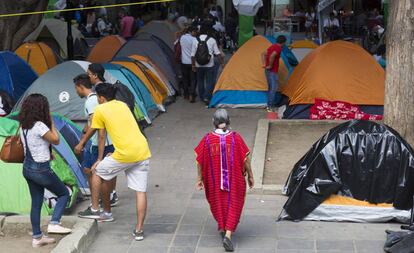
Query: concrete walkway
(179,219)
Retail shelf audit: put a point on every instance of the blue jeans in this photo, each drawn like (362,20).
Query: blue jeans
(90,159)
(40,176)
(205,82)
(273,97)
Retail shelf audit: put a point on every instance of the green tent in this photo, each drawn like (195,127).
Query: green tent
(14,193)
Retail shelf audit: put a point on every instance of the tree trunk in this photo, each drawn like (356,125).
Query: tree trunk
(399,86)
(15,29)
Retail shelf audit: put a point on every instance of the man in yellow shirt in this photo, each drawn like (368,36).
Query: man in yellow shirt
(131,155)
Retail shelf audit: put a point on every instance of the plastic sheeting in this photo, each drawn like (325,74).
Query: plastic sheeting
(342,213)
(359,159)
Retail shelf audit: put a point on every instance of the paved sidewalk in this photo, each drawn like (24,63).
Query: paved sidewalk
(179,220)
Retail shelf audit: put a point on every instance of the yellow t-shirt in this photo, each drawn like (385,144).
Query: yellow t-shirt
(130,144)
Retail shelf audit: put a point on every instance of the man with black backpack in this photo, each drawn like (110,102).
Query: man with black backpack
(203,51)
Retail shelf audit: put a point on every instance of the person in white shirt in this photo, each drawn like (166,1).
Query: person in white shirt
(205,78)
(38,133)
(189,82)
(310,19)
(103,28)
(332,27)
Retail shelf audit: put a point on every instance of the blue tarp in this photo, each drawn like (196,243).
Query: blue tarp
(15,74)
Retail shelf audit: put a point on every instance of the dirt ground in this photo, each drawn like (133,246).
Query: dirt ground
(20,241)
(286,144)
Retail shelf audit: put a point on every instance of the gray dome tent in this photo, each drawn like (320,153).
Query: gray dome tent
(163,30)
(154,48)
(57,85)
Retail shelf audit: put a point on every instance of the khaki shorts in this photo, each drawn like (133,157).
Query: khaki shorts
(136,173)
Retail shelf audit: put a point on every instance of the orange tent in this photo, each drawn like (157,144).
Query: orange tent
(157,90)
(154,72)
(243,82)
(301,48)
(106,49)
(38,55)
(244,71)
(303,44)
(340,71)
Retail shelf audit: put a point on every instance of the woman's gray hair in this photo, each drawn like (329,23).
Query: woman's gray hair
(221,119)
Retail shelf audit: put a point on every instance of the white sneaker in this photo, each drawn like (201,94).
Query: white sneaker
(281,110)
(58,229)
(44,240)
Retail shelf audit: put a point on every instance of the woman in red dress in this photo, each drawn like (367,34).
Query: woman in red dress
(223,163)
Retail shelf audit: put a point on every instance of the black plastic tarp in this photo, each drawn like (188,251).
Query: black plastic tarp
(359,159)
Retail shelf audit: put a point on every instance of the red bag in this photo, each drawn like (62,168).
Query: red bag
(177,51)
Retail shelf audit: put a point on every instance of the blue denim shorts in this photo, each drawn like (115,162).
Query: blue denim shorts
(89,160)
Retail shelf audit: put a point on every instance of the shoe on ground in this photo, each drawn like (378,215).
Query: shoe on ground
(89,214)
(58,229)
(269,109)
(139,235)
(105,217)
(44,240)
(227,244)
(280,111)
(114,201)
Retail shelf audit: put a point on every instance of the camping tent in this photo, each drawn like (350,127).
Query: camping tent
(14,194)
(38,55)
(359,170)
(336,71)
(155,86)
(153,48)
(163,30)
(53,32)
(242,82)
(106,49)
(302,48)
(70,136)
(153,70)
(15,75)
(57,85)
(142,96)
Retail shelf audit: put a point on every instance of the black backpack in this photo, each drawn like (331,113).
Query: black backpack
(123,94)
(202,55)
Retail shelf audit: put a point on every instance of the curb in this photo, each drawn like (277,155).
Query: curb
(83,232)
(78,241)
(259,153)
(260,148)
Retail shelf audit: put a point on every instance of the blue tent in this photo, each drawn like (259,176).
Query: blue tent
(289,59)
(142,96)
(15,74)
(71,137)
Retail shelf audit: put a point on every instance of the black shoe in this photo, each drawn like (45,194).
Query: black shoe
(227,244)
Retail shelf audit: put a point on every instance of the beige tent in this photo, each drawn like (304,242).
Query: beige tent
(53,32)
